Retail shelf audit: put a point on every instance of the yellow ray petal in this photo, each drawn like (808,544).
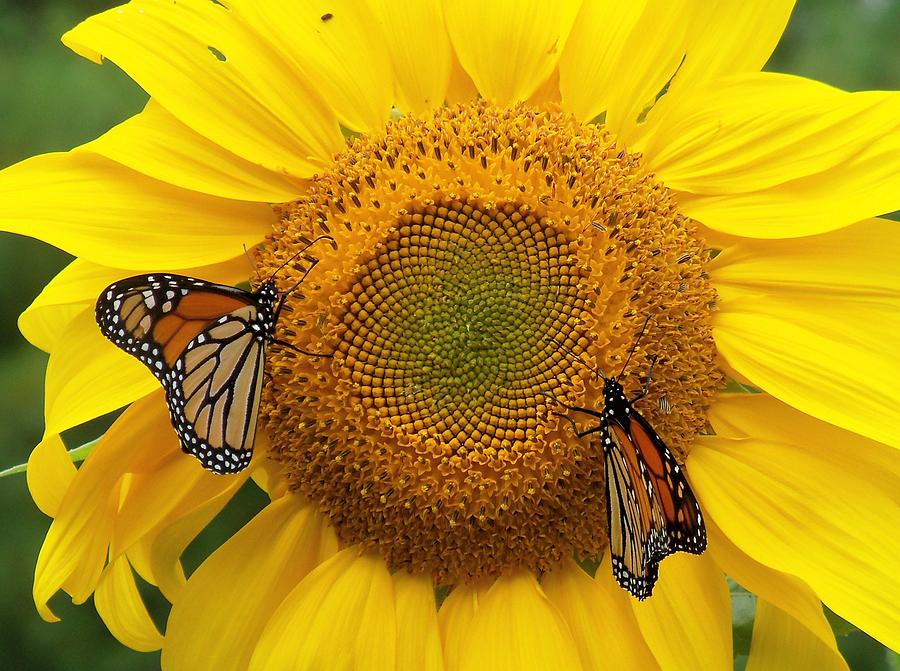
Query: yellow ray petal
(99,210)
(156,144)
(420,51)
(535,635)
(418,637)
(161,549)
(70,293)
(815,322)
(122,609)
(49,474)
(687,621)
(764,417)
(781,642)
(729,37)
(88,376)
(509,48)
(547,92)
(645,43)
(455,620)
(204,64)
(460,88)
(341,617)
(235,591)
(75,549)
(789,506)
(599,617)
(79,284)
(157,498)
(335,46)
(644,53)
(866,185)
(781,590)
(752,132)
(588,68)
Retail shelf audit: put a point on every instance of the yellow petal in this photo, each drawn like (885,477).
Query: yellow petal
(418,637)
(509,48)
(599,617)
(159,496)
(420,51)
(780,642)
(341,57)
(239,586)
(645,43)
(68,294)
(866,185)
(79,284)
(340,617)
(791,507)
(88,376)
(730,37)
(764,417)
(99,210)
(643,56)
(161,549)
(547,92)
(589,67)
(534,634)
(122,609)
(753,132)
(460,88)
(455,620)
(784,592)
(815,322)
(204,64)
(156,144)
(49,474)
(75,549)
(687,621)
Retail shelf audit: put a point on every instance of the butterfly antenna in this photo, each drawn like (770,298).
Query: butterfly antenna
(594,369)
(635,346)
(286,294)
(302,251)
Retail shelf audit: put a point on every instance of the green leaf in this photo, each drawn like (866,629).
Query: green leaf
(76,454)
(839,625)
(743,612)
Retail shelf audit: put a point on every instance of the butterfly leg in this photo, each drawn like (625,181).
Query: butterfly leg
(574,408)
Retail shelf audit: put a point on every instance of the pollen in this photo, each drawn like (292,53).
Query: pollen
(488,263)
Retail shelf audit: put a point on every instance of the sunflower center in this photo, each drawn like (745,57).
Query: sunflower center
(454,324)
(486,261)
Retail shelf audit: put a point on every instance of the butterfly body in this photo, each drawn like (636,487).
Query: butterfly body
(205,343)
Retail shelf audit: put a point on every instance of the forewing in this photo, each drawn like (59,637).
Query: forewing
(154,317)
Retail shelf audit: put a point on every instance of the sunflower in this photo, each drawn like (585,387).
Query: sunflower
(512,190)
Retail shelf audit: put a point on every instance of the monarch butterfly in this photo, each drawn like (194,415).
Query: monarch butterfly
(651,510)
(206,344)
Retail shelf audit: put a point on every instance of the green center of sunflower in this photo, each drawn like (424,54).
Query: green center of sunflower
(486,261)
(456,322)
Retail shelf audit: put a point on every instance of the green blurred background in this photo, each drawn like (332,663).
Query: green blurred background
(52,100)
